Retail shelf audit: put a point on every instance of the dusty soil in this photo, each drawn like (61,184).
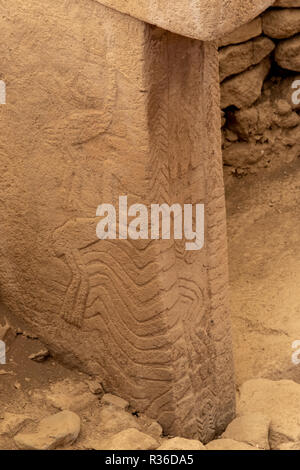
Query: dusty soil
(264,238)
(21,379)
(40,389)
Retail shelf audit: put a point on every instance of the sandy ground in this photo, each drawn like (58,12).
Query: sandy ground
(264,238)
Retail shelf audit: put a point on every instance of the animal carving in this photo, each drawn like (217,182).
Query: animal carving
(79,128)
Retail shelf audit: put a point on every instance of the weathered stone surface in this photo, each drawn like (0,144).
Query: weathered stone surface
(116,107)
(288,121)
(251,428)
(68,395)
(113,420)
(289,446)
(251,123)
(283,107)
(40,356)
(246,122)
(280,401)
(199,19)
(243,154)
(178,443)
(12,423)
(287,54)
(228,444)
(57,430)
(244,89)
(281,24)
(109,399)
(95,387)
(238,58)
(129,439)
(155,430)
(243,33)
(287,3)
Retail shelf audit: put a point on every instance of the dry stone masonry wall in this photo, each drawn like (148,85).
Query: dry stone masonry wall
(258,64)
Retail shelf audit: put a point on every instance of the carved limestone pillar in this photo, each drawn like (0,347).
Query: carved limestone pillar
(105,99)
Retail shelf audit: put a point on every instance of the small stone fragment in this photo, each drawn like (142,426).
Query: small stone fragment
(129,439)
(244,89)
(287,54)
(155,430)
(287,3)
(243,33)
(95,387)
(6,372)
(40,356)
(12,423)
(179,443)
(251,428)
(57,430)
(70,395)
(228,444)
(113,419)
(238,58)
(109,399)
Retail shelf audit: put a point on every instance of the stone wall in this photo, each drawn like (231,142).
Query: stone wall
(258,64)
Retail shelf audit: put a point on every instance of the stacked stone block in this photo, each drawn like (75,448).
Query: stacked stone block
(259,62)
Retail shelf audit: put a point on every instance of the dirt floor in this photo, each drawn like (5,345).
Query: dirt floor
(264,238)
(35,390)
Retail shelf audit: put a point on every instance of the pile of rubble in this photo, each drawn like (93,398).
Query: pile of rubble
(85,418)
(259,63)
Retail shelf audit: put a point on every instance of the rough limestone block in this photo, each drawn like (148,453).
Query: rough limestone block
(238,58)
(68,395)
(243,33)
(287,3)
(251,428)
(287,54)
(112,400)
(57,430)
(289,446)
(12,423)
(243,154)
(200,19)
(279,401)
(228,444)
(281,24)
(244,89)
(129,439)
(178,443)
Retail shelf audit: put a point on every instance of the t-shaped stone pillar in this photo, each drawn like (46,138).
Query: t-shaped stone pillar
(102,104)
